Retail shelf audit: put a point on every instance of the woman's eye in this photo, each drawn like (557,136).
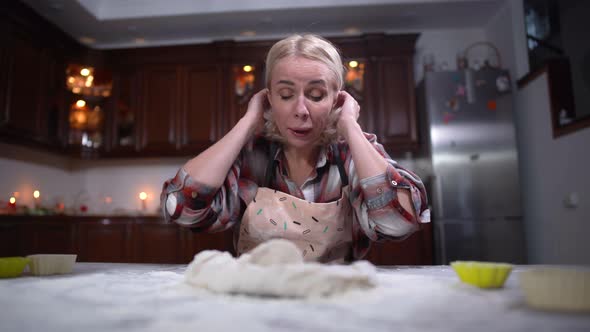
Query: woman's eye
(316,97)
(286,97)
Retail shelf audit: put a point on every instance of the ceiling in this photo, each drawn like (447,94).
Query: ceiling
(108,24)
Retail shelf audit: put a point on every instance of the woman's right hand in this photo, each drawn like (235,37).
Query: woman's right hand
(256,107)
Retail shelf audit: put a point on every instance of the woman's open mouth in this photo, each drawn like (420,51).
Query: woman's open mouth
(300,132)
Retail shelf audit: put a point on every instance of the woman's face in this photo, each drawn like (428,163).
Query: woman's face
(301,96)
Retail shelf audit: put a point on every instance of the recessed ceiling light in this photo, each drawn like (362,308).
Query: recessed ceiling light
(87,40)
(139,40)
(248,33)
(352,30)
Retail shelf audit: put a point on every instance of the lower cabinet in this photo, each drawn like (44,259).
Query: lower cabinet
(152,240)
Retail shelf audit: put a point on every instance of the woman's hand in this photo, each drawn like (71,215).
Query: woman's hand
(349,113)
(255,113)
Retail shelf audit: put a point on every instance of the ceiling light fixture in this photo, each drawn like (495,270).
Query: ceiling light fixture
(87,40)
(352,31)
(248,33)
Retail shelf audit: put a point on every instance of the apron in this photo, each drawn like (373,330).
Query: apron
(322,231)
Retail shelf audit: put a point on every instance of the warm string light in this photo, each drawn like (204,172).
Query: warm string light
(353,64)
(247,68)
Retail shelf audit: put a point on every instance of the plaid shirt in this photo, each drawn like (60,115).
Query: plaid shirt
(377,212)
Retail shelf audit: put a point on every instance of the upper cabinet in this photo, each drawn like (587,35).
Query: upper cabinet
(33,54)
(164,109)
(176,100)
(380,77)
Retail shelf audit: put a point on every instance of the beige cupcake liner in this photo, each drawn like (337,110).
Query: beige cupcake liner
(557,288)
(47,264)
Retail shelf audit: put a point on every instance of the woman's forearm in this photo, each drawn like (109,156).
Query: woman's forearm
(369,162)
(210,167)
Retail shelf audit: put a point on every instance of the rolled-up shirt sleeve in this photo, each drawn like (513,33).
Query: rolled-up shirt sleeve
(377,205)
(201,207)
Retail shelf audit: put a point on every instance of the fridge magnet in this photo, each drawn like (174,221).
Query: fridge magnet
(502,83)
(453,104)
(460,90)
(479,83)
(492,105)
(447,117)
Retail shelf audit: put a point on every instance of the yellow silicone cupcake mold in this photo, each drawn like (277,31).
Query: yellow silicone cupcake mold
(11,267)
(482,274)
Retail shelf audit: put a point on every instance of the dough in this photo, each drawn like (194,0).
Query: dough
(276,268)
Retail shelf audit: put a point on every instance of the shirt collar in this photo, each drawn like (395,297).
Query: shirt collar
(322,157)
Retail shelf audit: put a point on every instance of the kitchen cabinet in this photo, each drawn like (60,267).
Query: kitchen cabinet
(106,239)
(414,250)
(200,111)
(176,100)
(185,98)
(391,103)
(32,58)
(145,239)
(386,94)
(159,109)
(163,110)
(121,126)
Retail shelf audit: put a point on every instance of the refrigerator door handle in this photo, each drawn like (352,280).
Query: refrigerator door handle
(437,199)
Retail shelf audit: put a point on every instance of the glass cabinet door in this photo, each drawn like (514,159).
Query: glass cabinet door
(124,110)
(89,90)
(354,84)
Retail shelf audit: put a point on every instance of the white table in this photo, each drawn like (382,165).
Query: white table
(142,297)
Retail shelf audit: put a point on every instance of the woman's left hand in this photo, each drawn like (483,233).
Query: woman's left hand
(349,113)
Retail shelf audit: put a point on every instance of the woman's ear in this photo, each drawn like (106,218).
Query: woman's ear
(338,100)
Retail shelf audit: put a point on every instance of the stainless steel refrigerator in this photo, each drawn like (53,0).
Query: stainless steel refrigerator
(474,190)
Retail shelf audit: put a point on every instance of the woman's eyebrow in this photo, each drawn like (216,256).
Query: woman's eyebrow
(320,82)
(285,82)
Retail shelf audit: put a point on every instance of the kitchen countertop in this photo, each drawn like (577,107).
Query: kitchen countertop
(146,297)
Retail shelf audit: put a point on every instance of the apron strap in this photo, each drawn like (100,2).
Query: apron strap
(340,163)
(269,175)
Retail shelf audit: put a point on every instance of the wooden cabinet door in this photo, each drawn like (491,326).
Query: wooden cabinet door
(200,112)
(392,105)
(157,243)
(159,110)
(49,237)
(417,249)
(10,239)
(20,110)
(198,242)
(105,241)
(122,128)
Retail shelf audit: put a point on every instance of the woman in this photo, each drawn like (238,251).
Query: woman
(314,177)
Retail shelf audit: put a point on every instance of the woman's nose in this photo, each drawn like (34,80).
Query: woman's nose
(301,110)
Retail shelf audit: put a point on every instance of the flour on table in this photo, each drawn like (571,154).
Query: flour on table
(276,268)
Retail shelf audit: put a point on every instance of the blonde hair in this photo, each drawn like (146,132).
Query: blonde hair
(311,47)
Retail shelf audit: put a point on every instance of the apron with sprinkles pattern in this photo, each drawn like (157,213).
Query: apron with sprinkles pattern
(322,231)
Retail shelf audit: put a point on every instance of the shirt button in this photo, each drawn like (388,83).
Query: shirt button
(379,190)
(194,194)
(393,182)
